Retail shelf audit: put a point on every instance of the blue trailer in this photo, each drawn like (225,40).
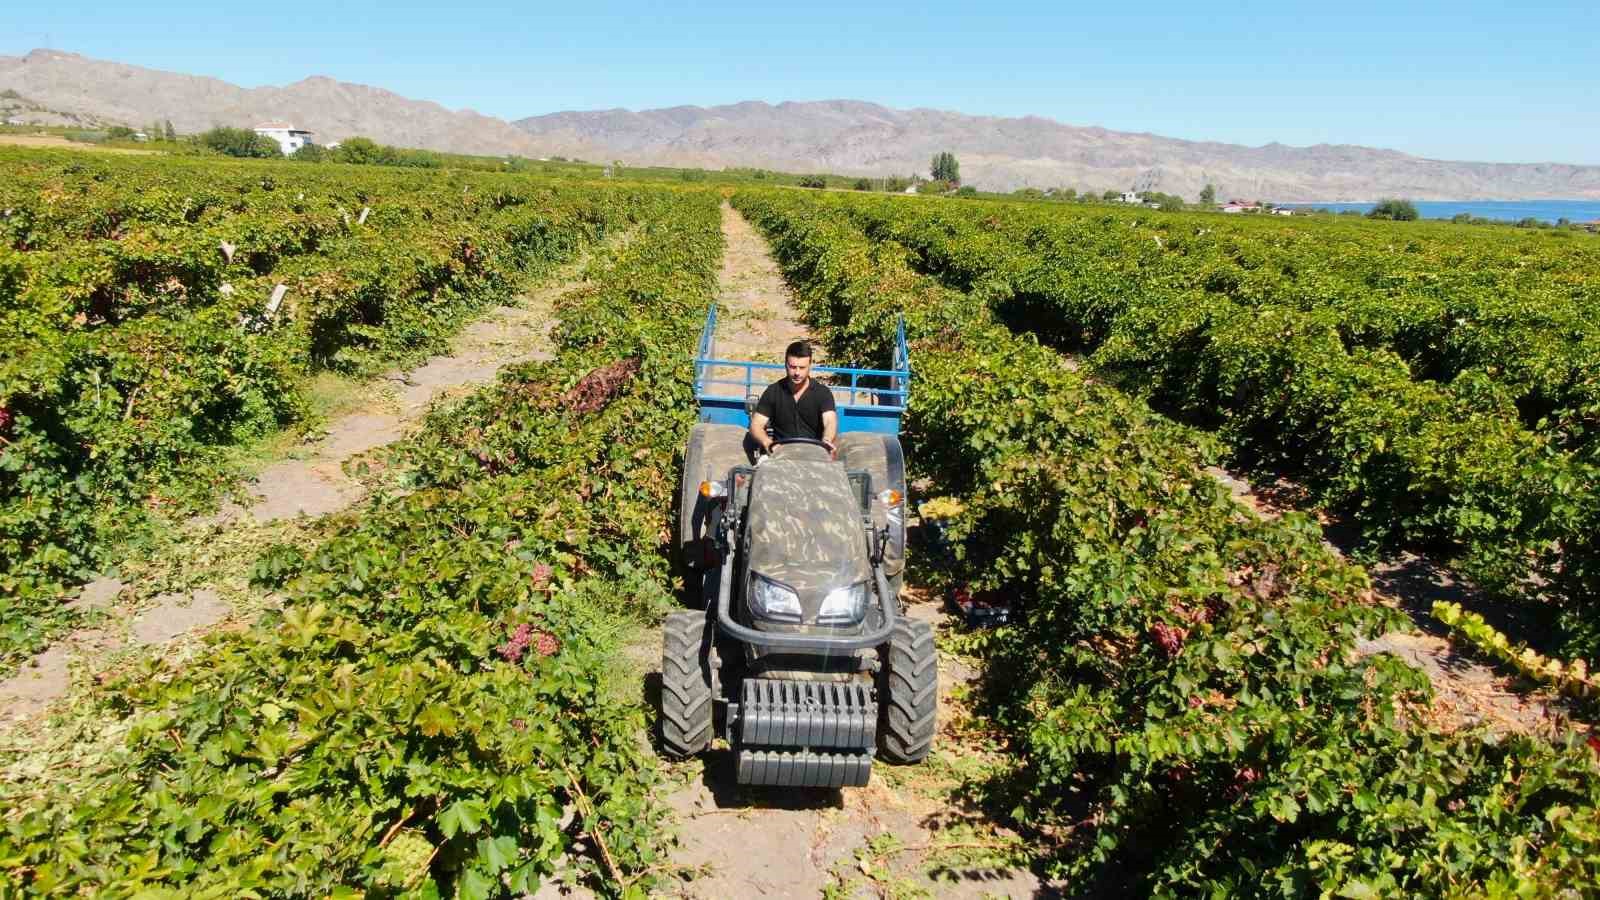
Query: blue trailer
(871,400)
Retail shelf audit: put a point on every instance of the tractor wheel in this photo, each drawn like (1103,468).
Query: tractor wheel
(686,684)
(908,693)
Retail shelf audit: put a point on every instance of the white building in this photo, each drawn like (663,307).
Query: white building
(289,138)
(1131,197)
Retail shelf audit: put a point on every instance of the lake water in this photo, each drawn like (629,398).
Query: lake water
(1504,210)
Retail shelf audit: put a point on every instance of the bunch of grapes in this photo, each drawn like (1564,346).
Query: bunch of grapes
(1242,779)
(512,650)
(404,858)
(547,644)
(542,573)
(5,418)
(1169,637)
(525,635)
(597,388)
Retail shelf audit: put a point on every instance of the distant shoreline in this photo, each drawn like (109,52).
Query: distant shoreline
(1581,211)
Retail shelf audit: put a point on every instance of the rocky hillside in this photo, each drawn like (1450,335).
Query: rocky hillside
(331,109)
(844,136)
(999,153)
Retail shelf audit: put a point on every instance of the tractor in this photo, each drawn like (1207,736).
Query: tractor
(801,657)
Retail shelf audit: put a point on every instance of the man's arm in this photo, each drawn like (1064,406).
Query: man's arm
(830,428)
(758,431)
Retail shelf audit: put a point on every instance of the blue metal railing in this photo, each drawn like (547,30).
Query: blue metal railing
(885,390)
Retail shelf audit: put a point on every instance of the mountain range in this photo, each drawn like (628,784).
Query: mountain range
(841,136)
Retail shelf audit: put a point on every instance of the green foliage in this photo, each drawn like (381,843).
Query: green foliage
(813,181)
(966,191)
(433,703)
(1396,210)
(1165,202)
(1208,195)
(945,168)
(367,152)
(1186,709)
(863,184)
(1426,401)
(143,352)
(239,142)
(312,153)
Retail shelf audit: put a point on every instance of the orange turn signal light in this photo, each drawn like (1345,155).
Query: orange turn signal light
(891,497)
(711,490)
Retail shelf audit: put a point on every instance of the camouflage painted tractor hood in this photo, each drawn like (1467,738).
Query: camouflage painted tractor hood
(805,526)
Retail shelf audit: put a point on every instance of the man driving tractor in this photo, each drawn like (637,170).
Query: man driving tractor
(795,406)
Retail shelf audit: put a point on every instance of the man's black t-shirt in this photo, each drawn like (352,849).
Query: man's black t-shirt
(792,418)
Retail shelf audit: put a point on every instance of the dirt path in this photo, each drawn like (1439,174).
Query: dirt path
(202,584)
(886,838)
(56,142)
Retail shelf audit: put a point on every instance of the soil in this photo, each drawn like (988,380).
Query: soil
(56,142)
(312,483)
(887,838)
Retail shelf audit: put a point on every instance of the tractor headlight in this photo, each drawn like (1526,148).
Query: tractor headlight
(771,600)
(844,605)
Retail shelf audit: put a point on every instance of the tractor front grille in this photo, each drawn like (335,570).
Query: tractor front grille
(779,768)
(807,715)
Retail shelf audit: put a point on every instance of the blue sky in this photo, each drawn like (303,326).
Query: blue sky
(1466,80)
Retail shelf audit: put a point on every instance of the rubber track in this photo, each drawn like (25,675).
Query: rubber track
(686,695)
(910,695)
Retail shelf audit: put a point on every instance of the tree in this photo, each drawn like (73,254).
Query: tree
(863,184)
(168,132)
(966,191)
(240,142)
(311,153)
(1110,195)
(1069,195)
(360,151)
(813,181)
(1208,195)
(1391,208)
(945,168)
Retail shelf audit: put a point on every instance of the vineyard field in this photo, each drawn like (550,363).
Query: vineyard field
(146,343)
(432,697)
(1436,389)
(1187,712)
(441,689)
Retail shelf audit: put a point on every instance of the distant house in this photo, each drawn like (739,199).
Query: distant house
(1242,206)
(1130,197)
(1282,211)
(289,138)
(140,136)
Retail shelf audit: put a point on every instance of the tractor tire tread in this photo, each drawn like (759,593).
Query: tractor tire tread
(909,693)
(686,685)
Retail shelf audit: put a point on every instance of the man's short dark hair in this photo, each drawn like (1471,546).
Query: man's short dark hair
(798,350)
